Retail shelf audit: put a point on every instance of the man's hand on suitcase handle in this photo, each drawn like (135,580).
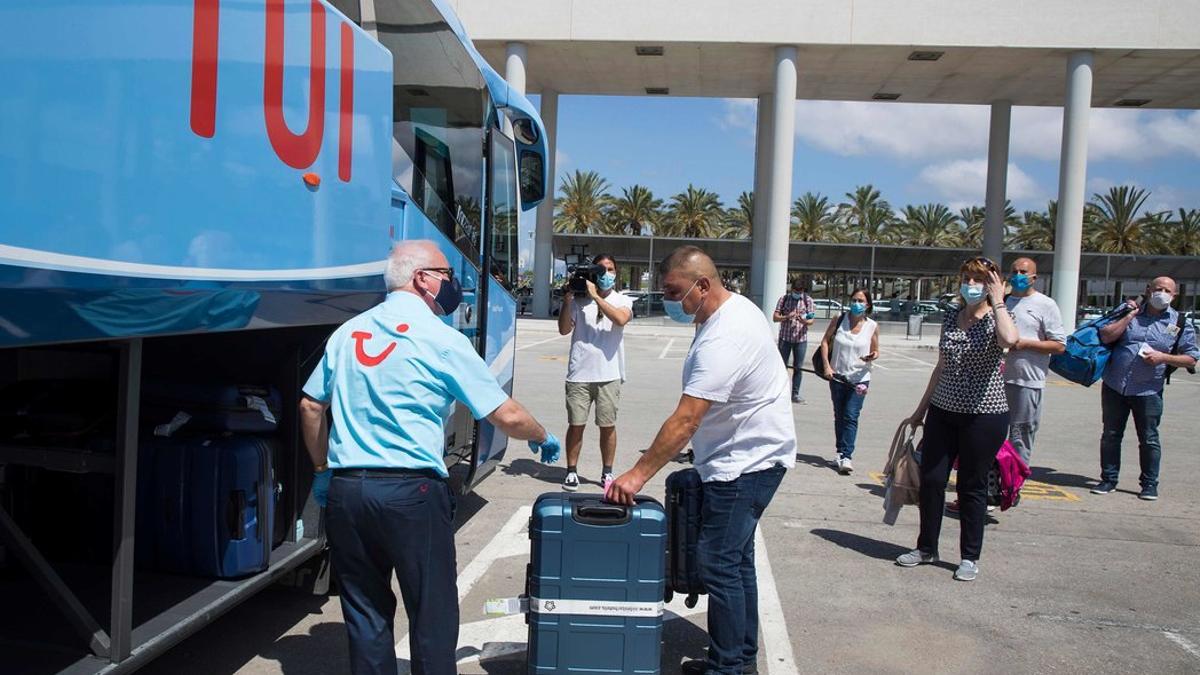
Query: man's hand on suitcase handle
(625,488)
(320,487)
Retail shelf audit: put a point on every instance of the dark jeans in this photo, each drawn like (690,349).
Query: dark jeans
(847,403)
(402,523)
(798,349)
(725,557)
(974,440)
(1147,411)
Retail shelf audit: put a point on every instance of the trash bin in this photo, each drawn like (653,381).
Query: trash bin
(914,327)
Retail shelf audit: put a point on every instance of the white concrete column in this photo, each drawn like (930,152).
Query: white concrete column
(543,246)
(515,58)
(1072,176)
(779,206)
(997,181)
(762,181)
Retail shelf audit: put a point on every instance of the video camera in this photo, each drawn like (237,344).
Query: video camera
(580,270)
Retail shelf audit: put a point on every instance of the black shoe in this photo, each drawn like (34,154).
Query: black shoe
(700,666)
(1149,494)
(1104,488)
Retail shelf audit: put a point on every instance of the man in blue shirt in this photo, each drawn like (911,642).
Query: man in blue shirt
(1144,346)
(390,377)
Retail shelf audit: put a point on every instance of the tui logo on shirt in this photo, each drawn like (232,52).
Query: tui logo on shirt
(360,348)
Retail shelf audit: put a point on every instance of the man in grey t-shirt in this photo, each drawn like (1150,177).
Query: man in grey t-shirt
(1040,325)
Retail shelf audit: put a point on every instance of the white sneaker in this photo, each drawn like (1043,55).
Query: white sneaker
(571,482)
(967,571)
(844,466)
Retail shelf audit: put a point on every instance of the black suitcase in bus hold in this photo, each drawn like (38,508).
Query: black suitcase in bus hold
(213,408)
(685,494)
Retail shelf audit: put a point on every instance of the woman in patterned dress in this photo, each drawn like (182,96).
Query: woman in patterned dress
(965,414)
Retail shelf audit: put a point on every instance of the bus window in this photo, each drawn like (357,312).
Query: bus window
(502,169)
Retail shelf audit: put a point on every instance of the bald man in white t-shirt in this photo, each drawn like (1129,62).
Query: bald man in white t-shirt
(736,411)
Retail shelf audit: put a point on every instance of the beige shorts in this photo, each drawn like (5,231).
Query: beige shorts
(581,396)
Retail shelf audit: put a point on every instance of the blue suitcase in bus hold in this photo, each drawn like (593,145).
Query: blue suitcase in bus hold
(236,408)
(211,505)
(595,585)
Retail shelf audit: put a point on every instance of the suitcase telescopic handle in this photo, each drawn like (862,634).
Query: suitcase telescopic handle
(235,517)
(600,513)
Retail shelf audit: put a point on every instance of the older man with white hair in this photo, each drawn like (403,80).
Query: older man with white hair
(389,376)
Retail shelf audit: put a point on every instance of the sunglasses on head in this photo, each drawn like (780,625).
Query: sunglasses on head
(986,262)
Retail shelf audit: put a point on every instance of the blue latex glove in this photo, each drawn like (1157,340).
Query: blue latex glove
(550,448)
(320,486)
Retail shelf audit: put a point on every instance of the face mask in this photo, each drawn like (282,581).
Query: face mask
(1160,300)
(674,308)
(448,297)
(857,308)
(1020,282)
(797,296)
(606,281)
(972,294)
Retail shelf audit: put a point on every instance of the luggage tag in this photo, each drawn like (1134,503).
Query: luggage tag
(506,606)
(181,418)
(257,403)
(1173,330)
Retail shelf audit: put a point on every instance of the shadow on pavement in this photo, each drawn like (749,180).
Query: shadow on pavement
(535,469)
(875,489)
(1048,475)
(465,508)
(817,461)
(323,650)
(872,548)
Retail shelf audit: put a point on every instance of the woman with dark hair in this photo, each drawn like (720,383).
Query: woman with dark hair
(965,413)
(850,344)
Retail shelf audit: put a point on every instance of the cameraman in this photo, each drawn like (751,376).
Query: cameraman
(597,364)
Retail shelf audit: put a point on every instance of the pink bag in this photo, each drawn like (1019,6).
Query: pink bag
(1013,472)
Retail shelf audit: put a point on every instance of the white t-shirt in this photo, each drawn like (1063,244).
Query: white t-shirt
(734,363)
(597,344)
(1037,318)
(849,348)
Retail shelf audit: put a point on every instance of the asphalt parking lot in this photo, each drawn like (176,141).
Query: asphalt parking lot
(1069,581)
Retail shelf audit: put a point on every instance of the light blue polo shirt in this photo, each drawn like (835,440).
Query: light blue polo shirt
(391,376)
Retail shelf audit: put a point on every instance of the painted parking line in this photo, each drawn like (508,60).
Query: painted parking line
(666,348)
(1032,489)
(540,342)
(508,635)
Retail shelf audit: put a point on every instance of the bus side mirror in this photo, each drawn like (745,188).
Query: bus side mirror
(533,179)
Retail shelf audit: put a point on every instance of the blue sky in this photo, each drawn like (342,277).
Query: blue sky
(914,153)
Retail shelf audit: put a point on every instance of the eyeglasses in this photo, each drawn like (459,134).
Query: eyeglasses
(443,270)
(986,262)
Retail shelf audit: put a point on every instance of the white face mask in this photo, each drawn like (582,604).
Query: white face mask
(1160,300)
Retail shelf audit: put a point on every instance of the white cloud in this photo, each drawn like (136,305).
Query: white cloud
(920,131)
(963,182)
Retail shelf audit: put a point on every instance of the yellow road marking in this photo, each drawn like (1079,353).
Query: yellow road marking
(1031,490)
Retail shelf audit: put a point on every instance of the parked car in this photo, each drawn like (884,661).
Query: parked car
(826,308)
(647,303)
(1089,312)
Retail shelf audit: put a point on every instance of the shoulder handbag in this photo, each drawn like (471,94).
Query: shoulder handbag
(1175,350)
(818,361)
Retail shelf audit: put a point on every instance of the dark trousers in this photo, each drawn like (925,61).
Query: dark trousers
(725,557)
(974,441)
(795,352)
(377,525)
(1147,412)
(847,404)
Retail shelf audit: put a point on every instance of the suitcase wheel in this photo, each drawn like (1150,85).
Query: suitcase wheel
(691,601)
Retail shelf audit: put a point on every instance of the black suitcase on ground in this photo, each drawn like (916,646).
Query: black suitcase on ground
(685,497)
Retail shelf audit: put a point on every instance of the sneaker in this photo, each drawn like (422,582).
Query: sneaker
(952,507)
(967,571)
(1104,488)
(796,399)
(991,507)
(1149,494)
(695,667)
(571,482)
(916,557)
(606,479)
(845,467)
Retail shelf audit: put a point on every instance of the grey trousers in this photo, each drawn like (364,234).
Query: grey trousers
(1024,413)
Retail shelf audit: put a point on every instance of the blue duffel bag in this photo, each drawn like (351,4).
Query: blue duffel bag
(1086,354)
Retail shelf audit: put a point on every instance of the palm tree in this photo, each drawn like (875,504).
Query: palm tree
(694,213)
(813,218)
(972,219)
(1035,232)
(581,208)
(1113,221)
(739,220)
(930,225)
(1182,236)
(634,211)
(866,216)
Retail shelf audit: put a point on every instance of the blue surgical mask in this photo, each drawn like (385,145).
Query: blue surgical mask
(857,308)
(1020,282)
(674,308)
(972,293)
(797,296)
(606,281)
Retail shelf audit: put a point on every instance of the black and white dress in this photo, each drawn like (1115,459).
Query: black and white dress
(972,380)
